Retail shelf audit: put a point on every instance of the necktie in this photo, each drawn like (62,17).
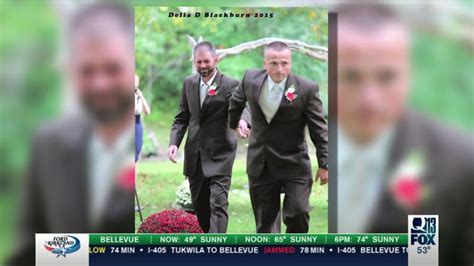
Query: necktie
(273,101)
(203,92)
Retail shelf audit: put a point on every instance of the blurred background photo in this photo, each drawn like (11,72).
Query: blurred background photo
(163,47)
(424,105)
(67,104)
(405,120)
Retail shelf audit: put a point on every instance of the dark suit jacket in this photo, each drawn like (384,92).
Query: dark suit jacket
(281,144)
(207,126)
(449,177)
(55,197)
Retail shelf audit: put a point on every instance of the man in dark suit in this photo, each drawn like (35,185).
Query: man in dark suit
(393,161)
(210,147)
(446,185)
(281,104)
(81,175)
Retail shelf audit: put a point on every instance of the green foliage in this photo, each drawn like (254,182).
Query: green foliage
(163,51)
(443,80)
(29,93)
(29,81)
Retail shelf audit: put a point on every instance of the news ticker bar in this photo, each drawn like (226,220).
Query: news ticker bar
(249,239)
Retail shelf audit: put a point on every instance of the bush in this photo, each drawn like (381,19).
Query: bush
(183,197)
(170,221)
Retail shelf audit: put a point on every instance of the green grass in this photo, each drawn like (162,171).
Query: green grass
(158,180)
(157,183)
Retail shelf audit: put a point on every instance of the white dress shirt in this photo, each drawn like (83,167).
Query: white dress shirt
(361,171)
(203,87)
(105,161)
(270,97)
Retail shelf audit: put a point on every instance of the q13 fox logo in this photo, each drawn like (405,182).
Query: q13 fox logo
(423,230)
(423,243)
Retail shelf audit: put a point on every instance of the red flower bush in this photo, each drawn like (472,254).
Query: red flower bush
(170,221)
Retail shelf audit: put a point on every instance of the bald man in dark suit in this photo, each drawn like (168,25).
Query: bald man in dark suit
(282,105)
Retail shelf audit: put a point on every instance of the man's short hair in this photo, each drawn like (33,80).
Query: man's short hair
(206,46)
(277,46)
(368,16)
(91,17)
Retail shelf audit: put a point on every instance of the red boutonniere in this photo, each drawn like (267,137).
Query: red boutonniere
(290,94)
(212,91)
(407,191)
(407,186)
(126,178)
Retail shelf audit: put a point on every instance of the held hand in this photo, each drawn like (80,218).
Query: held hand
(239,133)
(243,129)
(322,175)
(172,151)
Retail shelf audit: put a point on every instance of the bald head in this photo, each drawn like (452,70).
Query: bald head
(277,61)
(276,46)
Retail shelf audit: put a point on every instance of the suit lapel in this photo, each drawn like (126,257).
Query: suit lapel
(218,81)
(404,141)
(75,160)
(257,86)
(195,99)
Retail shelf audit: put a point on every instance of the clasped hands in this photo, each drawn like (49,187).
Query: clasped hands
(242,130)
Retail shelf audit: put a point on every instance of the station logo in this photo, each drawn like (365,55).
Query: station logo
(62,245)
(423,232)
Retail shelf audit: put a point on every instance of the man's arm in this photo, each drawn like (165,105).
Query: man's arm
(181,121)
(237,106)
(243,129)
(179,127)
(317,126)
(246,116)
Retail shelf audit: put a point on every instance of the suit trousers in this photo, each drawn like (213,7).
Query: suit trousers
(265,192)
(210,200)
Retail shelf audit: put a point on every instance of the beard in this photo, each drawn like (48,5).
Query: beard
(205,72)
(108,107)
